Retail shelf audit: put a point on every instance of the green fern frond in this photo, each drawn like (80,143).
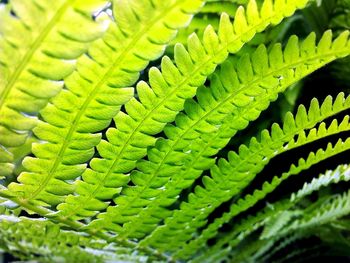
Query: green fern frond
(94,95)
(249,200)
(111,151)
(209,14)
(127,143)
(44,241)
(179,138)
(38,50)
(341,173)
(329,210)
(282,244)
(252,223)
(161,102)
(247,251)
(243,107)
(242,229)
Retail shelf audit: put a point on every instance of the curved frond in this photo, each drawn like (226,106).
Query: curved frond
(94,95)
(276,223)
(246,202)
(242,229)
(160,102)
(285,242)
(111,151)
(39,43)
(202,135)
(334,207)
(274,228)
(341,173)
(44,241)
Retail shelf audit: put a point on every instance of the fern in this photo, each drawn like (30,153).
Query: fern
(339,174)
(247,173)
(282,245)
(332,208)
(241,230)
(251,224)
(161,104)
(100,83)
(226,130)
(34,60)
(248,201)
(50,243)
(137,131)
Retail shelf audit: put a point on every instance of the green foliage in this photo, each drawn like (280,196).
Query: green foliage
(39,46)
(138,131)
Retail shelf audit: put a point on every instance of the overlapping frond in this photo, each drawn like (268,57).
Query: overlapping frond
(44,241)
(159,103)
(334,207)
(94,95)
(341,173)
(283,243)
(232,115)
(249,200)
(209,14)
(39,43)
(241,230)
(115,171)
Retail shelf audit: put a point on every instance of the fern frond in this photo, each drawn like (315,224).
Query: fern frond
(94,95)
(159,105)
(283,243)
(341,173)
(334,207)
(246,252)
(243,229)
(229,115)
(209,14)
(259,194)
(39,43)
(44,241)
